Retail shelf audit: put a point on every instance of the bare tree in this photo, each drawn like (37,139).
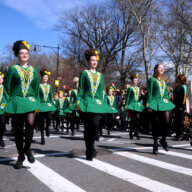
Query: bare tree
(143,12)
(173,37)
(110,28)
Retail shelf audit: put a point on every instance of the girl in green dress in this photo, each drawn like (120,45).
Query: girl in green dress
(59,111)
(3,100)
(159,105)
(134,105)
(66,109)
(55,97)
(90,101)
(111,101)
(21,83)
(72,106)
(47,106)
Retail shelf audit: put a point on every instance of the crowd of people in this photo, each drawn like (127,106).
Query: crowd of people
(33,104)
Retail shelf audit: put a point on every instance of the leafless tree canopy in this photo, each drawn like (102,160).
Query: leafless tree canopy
(130,35)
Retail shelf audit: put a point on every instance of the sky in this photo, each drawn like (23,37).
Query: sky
(33,20)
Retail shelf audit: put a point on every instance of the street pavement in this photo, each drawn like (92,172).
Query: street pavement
(121,165)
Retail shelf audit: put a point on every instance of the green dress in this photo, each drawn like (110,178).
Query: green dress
(59,105)
(90,94)
(158,98)
(73,100)
(22,85)
(66,105)
(4,98)
(46,98)
(111,101)
(133,99)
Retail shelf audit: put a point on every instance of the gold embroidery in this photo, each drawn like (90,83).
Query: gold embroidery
(94,81)
(31,99)
(61,101)
(136,91)
(26,77)
(111,100)
(46,90)
(98,101)
(1,92)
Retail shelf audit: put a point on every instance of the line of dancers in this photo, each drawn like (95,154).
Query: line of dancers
(23,97)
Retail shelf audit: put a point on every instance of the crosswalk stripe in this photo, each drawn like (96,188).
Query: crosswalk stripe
(136,179)
(146,148)
(133,178)
(172,153)
(111,139)
(176,154)
(157,163)
(52,179)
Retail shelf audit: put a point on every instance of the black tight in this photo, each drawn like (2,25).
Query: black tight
(45,116)
(68,120)
(74,120)
(179,122)
(2,126)
(160,124)
(134,123)
(59,118)
(18,122)
(91,127)
(109,121)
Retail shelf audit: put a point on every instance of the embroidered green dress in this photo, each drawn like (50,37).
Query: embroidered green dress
(66,105)
(158,98)
(46,98)
(90,94)
(22,85)
(4,97)
(59,106)
(133,102)
(111,101)
(73,100)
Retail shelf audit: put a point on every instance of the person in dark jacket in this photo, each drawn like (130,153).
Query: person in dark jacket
(179,96)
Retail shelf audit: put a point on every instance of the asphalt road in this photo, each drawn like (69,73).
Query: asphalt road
(121,165)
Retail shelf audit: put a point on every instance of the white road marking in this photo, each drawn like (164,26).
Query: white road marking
(146,148)
(9,146)
(176,154)
(109,140)
(157,163)
(51,179)
(130,177)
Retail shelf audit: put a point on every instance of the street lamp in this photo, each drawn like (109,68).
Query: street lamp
(57,53)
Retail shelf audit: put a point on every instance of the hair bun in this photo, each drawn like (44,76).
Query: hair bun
(44,71)
(20,45)
(91,52)
(133,76)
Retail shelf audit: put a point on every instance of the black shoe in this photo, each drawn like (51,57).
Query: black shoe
(2,143)
(89,158)
(47,133)
(137,136)
(94,152)
(155,149)
(73,133)
(97,138)
(19,163)
(42,141)
(180,138)
(30,156)
(131,136)
(164,144)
